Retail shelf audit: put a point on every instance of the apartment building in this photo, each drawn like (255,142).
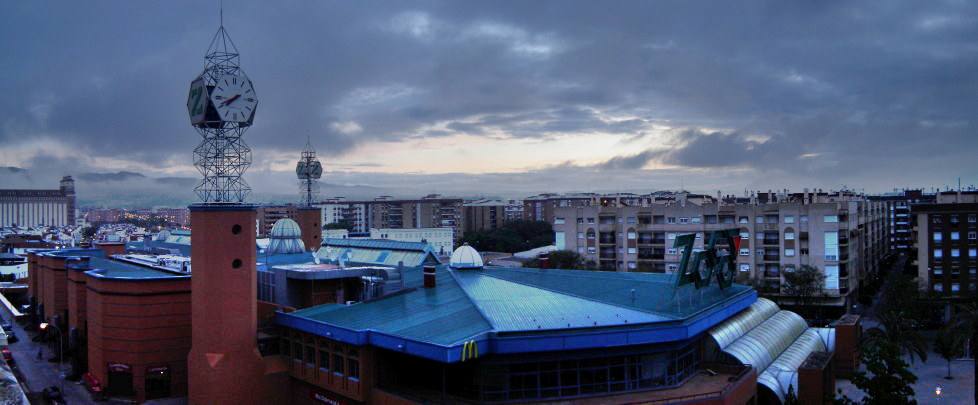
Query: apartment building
(385,212)
(946,243)
(841,233)
(489,214)
(898,218)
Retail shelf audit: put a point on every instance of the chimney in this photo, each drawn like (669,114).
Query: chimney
(429,276)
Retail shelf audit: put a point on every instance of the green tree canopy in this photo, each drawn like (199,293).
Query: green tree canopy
(888,381)
(512,237)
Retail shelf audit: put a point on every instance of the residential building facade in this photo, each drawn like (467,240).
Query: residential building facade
(946,244)
(385,212)
(489,214)
(840,233)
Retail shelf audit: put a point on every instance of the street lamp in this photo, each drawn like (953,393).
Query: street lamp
(61,353)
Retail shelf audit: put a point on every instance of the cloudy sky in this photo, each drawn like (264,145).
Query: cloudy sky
(502,97)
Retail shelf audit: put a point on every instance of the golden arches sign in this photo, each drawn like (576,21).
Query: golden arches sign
(470,350)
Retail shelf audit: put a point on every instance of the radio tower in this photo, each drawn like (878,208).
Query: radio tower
(309,170)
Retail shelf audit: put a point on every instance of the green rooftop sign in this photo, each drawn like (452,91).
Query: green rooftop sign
(716,258)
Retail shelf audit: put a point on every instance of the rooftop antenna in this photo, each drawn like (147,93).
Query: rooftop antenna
(308,170)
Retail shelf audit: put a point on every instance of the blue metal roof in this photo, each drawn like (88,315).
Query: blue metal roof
(508,310)
(376,244)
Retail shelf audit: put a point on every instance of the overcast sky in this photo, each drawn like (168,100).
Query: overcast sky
(523,96)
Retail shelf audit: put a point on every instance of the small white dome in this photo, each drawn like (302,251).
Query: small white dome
(285,237)
(285,228)
(466,257)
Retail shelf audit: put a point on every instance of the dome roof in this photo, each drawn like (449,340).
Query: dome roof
(466,257)
(285,237)
(285,228)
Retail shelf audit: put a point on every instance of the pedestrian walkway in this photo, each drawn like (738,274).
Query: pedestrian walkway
(930,375)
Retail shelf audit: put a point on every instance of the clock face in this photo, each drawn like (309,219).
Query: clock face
(197,101)
(234,99)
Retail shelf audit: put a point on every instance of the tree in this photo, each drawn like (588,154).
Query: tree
(804,284)
(569,260)
(340,225)
(513,236)
(888,381)
(966,320)
(948,344)
(895,331)
(901,297)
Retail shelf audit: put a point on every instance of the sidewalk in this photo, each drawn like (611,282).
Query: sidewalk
(930,375)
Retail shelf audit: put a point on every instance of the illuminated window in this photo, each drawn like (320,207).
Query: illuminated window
(937,236)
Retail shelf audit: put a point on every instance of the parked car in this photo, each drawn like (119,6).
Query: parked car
(11,337)
(7,355)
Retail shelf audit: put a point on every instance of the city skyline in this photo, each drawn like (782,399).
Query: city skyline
(504,97)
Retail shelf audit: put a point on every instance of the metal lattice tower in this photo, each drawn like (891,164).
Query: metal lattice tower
(222,156)
(308,170)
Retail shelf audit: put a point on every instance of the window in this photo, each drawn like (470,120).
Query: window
(580,250)
(620,220)
(971,235)
(338,360)
(803,218)
(670,236)
(788,219)
(744,267)
(938,287)
(743,220)
(760,252)
(632,235)
(699,235)
(955,253)
(973,271)
(971,218)
(789,252)
(938,270)
(631,266)
(759,220)
(745,252)
(955,287)
(972,253)
(580,220)
(672,266)
(671,220)
(353,363)
(938,253)
(580,235)
(632,251)
(789,269)
(937,236)
(955,236)
(591,250)
(683,220)
(323,357)
(590,221)
(632,220)
(696,220)
(559,221)
(954,219)
(671,251)
(789,236)
(936,220)
(830,219)
(745,235)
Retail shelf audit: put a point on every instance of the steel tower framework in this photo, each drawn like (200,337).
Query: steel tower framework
(309,170)
(222,156)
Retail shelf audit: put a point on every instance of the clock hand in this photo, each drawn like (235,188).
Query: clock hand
(231,100)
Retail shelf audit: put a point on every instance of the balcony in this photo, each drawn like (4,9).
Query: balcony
(770,241)
(772,258)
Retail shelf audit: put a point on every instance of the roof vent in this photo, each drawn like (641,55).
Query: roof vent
(466,257)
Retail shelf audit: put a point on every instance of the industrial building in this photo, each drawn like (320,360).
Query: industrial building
(31,208)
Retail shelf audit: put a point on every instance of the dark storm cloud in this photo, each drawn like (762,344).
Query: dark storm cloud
(809,91)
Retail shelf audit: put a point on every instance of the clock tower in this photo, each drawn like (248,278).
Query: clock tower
(224,365)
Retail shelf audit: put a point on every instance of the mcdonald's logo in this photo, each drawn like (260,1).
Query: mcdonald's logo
(470,350)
